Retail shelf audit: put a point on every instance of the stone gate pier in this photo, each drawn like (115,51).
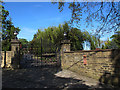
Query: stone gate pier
(11,59)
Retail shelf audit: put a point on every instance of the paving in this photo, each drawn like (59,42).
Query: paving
(46,77)
(69,74)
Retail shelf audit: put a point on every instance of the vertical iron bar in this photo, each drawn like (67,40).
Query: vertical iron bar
(41,51)
(4,58)
(50,52)
(37,55)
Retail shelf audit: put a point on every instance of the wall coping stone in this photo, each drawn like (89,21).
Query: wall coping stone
(65,42)
(102,50)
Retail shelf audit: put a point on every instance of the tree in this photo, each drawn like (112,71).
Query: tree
(110,44)
(76,37)
(24,42)
(107,44)
(103,47)
(92,39)
(116,38)
(52,37)
(8,29)
(105,13)
(113,45)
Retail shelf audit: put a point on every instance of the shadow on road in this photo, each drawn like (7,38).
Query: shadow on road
(38,78)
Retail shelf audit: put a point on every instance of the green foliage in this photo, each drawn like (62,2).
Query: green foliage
(107,44)
(77,38)
(52,37)
(24,42)
(114,43)
(93,40)
(111,44)
(8,30)
(103,47)
(116,38)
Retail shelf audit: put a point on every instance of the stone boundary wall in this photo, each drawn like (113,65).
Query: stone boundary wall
(10,59)
(7,59)
(99,62)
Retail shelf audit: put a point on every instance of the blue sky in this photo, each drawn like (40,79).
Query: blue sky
(31,16)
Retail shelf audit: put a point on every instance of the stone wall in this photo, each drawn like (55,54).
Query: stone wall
(10,59)
(99,63)
(7,59)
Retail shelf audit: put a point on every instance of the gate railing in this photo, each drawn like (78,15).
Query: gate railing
(43,55)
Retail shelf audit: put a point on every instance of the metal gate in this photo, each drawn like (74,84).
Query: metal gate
(44,54)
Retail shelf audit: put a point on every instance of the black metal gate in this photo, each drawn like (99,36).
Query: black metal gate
(44,54)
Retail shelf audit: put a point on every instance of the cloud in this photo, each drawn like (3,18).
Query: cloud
(27,33)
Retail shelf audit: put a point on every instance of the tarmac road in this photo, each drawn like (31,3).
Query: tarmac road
(46,77)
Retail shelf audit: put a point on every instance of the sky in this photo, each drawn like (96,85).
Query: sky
(31,16)
(60,0)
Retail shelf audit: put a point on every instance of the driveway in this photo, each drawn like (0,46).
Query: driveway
(45,77)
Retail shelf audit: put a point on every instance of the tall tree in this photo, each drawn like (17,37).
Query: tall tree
(116,38)
(77,38)
(110,44)
(106,14)
(54,36)
(94,41)
(8,29)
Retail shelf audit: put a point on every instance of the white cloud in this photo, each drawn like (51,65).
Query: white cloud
(27,33)
(30,30)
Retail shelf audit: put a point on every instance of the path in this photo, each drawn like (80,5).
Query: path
(45,78)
